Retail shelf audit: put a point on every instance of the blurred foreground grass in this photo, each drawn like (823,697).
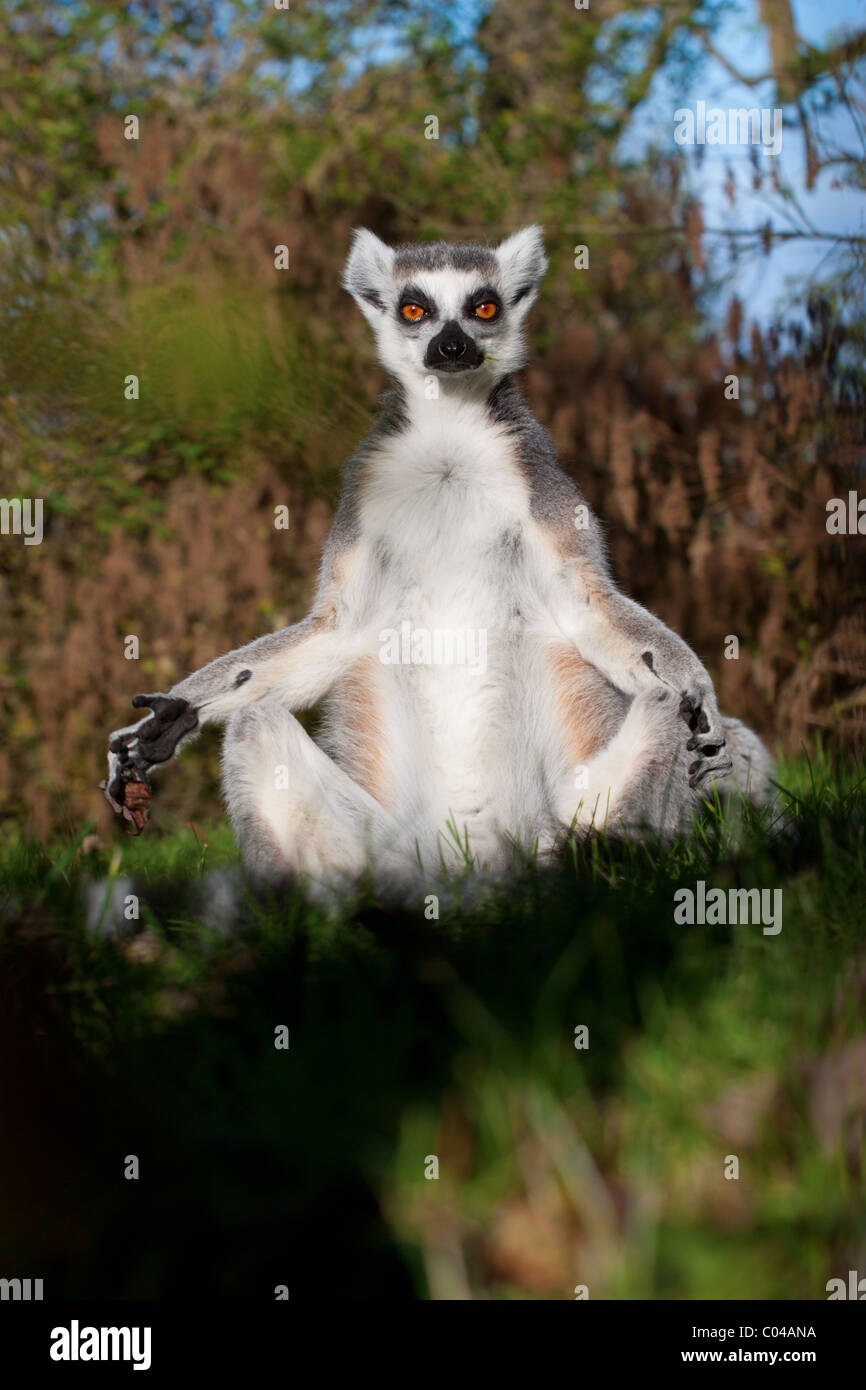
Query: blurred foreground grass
(412,1038)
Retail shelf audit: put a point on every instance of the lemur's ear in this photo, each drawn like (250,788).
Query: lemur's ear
(522,263)
(368,269)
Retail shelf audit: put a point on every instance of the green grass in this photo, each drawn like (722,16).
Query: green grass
(454,1038)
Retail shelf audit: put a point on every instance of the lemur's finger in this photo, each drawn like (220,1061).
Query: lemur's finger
(113,790)
(700,770)
(688,712)
(155,702)
(709,750)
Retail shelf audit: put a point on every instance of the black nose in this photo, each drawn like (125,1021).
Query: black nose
(452,350)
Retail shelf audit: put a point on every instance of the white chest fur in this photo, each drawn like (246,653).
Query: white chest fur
(440,494)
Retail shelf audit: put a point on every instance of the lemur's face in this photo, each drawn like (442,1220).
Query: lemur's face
(453,311)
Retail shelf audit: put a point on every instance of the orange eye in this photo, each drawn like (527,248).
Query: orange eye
(487,310)
(412,312)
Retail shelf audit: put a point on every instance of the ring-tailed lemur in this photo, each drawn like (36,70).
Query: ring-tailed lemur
(456,533)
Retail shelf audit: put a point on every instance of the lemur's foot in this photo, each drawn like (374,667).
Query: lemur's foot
(698,709)
(133,751)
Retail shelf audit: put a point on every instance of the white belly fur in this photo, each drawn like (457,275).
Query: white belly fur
(444,521)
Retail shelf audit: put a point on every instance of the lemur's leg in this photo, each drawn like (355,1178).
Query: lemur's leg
(299,663)
(296,813)
(657,795)
(640,780)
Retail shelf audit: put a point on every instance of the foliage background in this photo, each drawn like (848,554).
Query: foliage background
(262,127)
(409,1037)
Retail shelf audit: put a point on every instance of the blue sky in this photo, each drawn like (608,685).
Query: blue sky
(762,283)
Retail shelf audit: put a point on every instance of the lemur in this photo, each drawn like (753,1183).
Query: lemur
(586,713)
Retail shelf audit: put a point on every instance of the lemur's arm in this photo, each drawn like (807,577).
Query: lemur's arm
(631,647)
(638,653)
(299,664)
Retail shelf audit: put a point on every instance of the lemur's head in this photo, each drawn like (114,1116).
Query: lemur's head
(453,310)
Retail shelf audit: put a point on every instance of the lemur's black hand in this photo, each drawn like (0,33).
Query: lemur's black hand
(159,736)
(132,751)
(698,709)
